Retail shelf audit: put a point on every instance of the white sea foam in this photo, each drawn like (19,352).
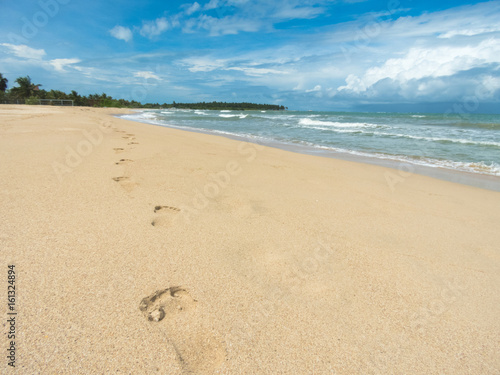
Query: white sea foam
(225,111)
(472,167)
(409,136)
(339,130)
(230,116)
(439,139)
(309,122)
(144,117)
(275,117)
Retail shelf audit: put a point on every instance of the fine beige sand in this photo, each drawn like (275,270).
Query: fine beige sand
(141,250)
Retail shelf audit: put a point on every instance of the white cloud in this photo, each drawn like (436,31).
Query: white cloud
(150,29)
(203,64)
(490,84)
(248,16)
(249,68)
(35,57)
(316,88)
(22,50)
(193,8)
(469,20)
(470,32)
(211,5)
(294,12)
(257,71)
(120,32)
(422,62)
(86,71)
(230,25)
(147,75)
(60,64)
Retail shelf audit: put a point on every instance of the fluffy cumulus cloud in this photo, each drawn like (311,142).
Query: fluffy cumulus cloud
(121,32)
(24,51)
(425,71)
(154,28)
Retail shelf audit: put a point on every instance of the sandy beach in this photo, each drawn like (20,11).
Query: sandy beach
(140,249)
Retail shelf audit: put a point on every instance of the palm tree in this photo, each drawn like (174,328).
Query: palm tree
(3,83)
(26,87)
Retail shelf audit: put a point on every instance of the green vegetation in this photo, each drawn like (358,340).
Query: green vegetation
(29,93)
(3,83)
(26,88)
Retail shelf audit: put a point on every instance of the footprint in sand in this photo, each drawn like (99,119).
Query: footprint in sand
(158,208)
(118,149)
(124,161)
(122,178)
(125,183)
(133,143)
(166,217)
(178,315)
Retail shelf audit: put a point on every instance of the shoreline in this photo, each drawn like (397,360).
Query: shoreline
(483,181)
(216,256)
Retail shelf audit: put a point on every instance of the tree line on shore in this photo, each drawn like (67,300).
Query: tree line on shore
(28,92)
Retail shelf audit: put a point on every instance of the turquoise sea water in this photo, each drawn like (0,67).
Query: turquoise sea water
(467,143)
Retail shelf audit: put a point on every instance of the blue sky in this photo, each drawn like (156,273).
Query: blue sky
(310,54)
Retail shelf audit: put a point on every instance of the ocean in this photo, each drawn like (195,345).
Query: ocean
(458,147)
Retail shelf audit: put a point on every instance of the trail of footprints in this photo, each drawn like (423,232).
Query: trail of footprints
(162,218)
(176,314)
(125,181)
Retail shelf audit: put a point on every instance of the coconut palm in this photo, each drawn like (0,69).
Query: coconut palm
(26,87)
(3,83)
